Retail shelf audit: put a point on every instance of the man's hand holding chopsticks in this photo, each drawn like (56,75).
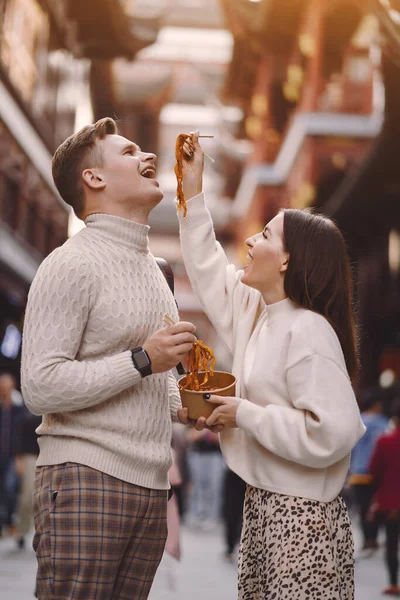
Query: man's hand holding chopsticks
(169,346)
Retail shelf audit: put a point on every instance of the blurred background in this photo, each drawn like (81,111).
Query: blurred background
(303,100)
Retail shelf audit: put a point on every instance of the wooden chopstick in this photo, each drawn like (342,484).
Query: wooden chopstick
(169,321)
(206,155)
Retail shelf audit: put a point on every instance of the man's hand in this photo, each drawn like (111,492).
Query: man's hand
(169,346)
(193,165)
(200,424)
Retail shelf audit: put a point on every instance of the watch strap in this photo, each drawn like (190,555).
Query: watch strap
(143,370)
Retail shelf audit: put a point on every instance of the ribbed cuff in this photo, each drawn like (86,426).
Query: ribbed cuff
(197,213)
(248,416)
(124,370)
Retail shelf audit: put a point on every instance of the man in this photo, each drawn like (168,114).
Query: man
(9,427)
(360,478)
(96,364)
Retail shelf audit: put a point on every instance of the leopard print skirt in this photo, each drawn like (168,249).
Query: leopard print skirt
(295,549)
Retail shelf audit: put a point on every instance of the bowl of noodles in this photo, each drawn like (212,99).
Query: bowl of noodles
(201,378)
(219,383)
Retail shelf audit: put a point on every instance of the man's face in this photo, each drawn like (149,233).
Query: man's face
(129,173)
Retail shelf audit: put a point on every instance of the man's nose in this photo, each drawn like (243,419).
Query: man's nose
(148,157)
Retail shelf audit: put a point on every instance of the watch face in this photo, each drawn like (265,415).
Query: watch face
(141,360)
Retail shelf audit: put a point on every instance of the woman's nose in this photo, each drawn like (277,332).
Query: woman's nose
(250,242)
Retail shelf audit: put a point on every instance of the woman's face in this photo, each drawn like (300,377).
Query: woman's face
(267,258)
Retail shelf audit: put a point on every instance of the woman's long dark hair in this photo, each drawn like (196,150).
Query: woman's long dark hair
(319,275)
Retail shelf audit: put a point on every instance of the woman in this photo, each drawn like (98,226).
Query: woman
(385,470)
(287,320)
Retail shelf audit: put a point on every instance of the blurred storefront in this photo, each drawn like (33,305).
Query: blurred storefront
(319,99)
(47,48)
(173,86)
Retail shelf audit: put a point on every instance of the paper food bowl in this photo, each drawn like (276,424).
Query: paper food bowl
(224,384)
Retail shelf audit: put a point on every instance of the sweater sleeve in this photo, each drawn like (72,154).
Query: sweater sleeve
(322,422)
(215,281)
(53,380)
(174,397)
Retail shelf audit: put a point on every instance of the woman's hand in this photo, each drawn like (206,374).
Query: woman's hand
(192,168)
(225,413)
(200,424)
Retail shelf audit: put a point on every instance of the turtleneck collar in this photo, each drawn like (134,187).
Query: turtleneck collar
(120,231)
(280,309)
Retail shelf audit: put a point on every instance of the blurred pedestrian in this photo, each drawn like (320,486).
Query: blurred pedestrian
(96,363)
(25,466)
(173,546)
(206,467)
(385,507)
(9,423)
(232,512)
(360,478)
(180,446)
(287,320)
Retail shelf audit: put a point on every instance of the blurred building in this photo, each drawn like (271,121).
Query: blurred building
(46,50)
(174,86)
(302,99)
(320,101)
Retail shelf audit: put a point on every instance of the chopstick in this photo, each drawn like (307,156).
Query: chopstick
(169,321)
(207,155)
(179,367)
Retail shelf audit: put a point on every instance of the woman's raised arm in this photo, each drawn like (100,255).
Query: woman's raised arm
(216,283)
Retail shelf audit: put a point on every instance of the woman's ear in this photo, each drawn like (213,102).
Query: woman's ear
(94,179)
(285,263)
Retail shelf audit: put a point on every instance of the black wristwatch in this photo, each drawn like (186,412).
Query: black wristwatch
(142,361)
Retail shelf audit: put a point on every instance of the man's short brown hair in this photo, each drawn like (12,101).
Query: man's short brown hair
(77,153)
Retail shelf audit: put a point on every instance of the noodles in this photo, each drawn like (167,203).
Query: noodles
(201,358)
(180,140)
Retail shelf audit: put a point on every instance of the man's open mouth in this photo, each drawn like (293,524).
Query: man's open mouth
(149,173)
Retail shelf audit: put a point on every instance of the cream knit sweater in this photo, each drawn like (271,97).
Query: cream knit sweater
(94,299)
(298,419)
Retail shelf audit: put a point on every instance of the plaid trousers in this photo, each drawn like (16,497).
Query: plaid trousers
(96,538)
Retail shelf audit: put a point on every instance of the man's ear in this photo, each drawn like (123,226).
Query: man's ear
(94,179)
(285,264)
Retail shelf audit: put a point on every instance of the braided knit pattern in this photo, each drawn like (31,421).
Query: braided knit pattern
(92,301)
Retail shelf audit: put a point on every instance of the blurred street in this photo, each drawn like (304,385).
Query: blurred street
(202,571)
(297,104)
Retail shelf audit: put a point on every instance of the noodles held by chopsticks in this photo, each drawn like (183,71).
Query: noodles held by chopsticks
(180,140)
(201,358)
(179,151)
